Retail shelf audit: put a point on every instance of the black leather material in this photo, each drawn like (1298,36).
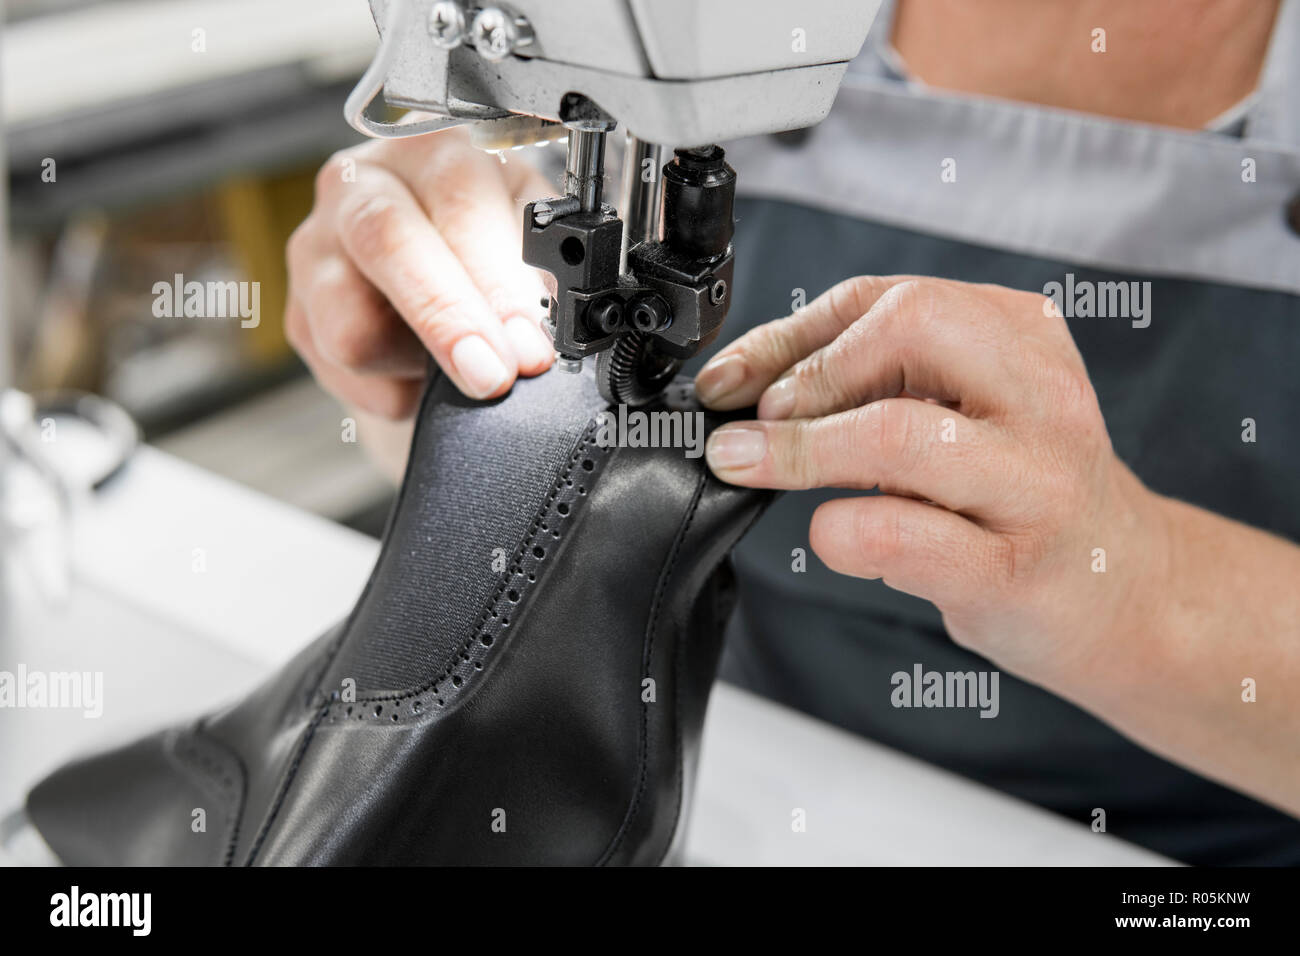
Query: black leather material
(545,714)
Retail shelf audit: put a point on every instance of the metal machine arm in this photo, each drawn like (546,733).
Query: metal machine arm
(689,73)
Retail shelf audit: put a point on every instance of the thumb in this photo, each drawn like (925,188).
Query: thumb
(738,375)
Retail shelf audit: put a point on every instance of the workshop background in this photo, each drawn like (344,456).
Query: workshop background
(146,139)
(150,138)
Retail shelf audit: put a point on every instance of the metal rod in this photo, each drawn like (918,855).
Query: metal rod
(642,194)
(584,174)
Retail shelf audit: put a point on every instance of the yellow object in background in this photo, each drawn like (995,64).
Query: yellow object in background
(258,215)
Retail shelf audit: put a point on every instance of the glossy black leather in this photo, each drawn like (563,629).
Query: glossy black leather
(526,737)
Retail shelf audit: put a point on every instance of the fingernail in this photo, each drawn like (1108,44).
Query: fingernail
(736,446)
(479,368)
(719,378)
(531,346)
(778,401)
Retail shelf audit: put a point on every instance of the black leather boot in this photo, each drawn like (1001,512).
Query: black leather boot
(523,680)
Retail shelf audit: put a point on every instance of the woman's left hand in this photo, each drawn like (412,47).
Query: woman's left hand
(969,408)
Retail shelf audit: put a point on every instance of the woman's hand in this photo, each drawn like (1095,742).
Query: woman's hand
(412,249)
(969,408)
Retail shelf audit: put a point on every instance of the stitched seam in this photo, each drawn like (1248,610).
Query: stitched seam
(286,780)
(493,602)
(584,448)
(679,656)
(310,731)
(678,771)
(643,743)
(187,750)
(581,446)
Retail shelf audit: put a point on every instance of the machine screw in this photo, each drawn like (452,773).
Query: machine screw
(568,363)
(497,33)
(650,314)
(447,24)
(548,210)
(607,315)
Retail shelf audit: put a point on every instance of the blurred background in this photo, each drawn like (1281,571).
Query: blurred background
(150,138)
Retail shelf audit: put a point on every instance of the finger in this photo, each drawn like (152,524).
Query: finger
(389,237)
(466,195)
(534,350)
(737,375)
(912,546)
(353,325)
(932,339)
(388,397)
(901,445)
(526,184)
(408,157)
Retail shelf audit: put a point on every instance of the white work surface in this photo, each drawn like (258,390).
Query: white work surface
(173,642)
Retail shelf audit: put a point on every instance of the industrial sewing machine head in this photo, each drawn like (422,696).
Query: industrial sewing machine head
(644,285)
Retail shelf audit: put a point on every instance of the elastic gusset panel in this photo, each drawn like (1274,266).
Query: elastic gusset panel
(524,570)
(478,473)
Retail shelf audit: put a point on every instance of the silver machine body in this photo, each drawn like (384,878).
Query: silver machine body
(646,289)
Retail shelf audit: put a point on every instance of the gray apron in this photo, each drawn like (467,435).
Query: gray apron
(1040,194)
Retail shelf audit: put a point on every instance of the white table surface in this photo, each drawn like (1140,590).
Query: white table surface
(173,643)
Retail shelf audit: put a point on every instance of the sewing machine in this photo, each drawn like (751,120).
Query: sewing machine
(646,284)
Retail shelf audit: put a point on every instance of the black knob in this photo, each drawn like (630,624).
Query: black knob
(650,313)
(699,195)
(607,315)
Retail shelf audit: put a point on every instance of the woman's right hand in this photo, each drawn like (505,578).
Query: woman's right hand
(413,248)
